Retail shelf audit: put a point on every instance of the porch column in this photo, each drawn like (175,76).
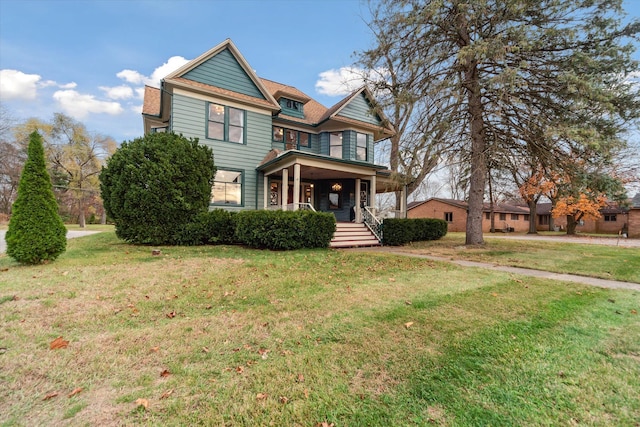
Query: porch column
(285,188)
(296,186)
(358,202)
(266,190)
(373,194)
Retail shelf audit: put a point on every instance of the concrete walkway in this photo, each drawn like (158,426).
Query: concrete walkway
(591,281)
(70,235)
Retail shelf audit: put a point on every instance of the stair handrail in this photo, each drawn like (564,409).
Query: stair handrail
(373,223)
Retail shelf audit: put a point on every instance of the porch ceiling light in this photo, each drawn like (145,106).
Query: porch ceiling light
(336,187)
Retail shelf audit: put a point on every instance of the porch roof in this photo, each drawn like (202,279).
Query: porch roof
(318,166)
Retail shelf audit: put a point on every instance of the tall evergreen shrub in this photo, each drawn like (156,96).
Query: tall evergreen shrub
(36,232)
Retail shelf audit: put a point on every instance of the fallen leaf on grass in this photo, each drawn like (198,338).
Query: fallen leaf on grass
(493,294)
(58,343)
(165,373)
(261,396)
(239,369)
(306,393)
(407,302)
(50,395)
(325,424)
(392,279)
(408,325)
(283,399)
(154,349)
(300,378)
(75,391)
(166,394)
(205,349)
(142,402)
(633,311)
(171,315)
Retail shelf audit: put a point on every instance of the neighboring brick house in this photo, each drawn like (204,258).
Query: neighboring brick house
(612,220)
(506,217)
(634,217)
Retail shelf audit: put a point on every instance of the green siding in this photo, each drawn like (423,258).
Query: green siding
(290,111)
(224,71)
(189,118)
(359,108)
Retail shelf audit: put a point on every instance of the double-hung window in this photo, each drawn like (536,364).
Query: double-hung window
(335,144)
(226,123)
(361,147)
(227,188)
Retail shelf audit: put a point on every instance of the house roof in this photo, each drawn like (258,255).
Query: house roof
(315,113)
(486,207)
(635,202)
(151,105)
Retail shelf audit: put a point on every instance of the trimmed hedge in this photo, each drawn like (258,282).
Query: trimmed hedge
(285,230)
(399,231)
(216,227)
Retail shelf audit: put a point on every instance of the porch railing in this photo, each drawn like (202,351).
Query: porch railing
(373,223)
(290,207)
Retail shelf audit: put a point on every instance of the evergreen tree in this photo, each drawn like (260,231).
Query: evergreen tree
(36,232)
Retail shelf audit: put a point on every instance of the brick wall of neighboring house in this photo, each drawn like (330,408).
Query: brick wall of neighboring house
(634,222)
(437,209)
(521,224)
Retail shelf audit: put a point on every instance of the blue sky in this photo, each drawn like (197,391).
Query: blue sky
(89,59)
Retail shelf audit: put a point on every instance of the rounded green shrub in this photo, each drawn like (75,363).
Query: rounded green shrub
(153,186)
(36,232)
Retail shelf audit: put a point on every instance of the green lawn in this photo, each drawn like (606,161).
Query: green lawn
(230,336)
(606,262)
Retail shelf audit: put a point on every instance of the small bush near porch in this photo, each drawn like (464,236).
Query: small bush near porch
(399,231)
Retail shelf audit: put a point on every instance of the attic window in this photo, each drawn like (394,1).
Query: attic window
(294,105)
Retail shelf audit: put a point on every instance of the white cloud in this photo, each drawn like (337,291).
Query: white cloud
(118,92)
(339,82)
(136,108)
(78,105)
(131,76)
(140,92)
(137,78)
(71,85)
(15,84)
(47,83)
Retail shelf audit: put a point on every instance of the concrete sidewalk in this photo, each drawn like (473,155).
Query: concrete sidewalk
(591,281)
(70,235)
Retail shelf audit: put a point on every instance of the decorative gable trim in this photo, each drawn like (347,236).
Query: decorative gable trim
(385,129)
(227,44)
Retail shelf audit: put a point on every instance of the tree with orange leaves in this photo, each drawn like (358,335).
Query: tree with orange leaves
(536,186)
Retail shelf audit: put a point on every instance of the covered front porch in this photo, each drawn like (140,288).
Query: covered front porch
(299,180)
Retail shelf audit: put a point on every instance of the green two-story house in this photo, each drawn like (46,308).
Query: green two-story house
(274,146)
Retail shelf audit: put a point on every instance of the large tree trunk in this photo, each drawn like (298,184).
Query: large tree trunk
(478,161)
(533,205)
(571,225)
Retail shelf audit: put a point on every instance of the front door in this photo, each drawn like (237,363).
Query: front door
(364,194)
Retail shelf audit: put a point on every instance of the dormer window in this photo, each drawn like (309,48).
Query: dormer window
(295,105)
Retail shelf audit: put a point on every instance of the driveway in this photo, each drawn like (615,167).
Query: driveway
(70,235)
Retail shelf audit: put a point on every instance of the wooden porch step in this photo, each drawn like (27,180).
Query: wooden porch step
(349,234)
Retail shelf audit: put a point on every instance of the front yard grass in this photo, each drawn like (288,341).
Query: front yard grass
(605,262)
(231,336)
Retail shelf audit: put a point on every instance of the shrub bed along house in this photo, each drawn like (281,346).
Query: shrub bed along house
(285,230)
(399,231)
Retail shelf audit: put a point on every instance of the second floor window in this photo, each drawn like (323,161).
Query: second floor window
(361,147)
(226,123)
(335,144)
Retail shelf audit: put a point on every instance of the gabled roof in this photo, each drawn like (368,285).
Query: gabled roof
(177,75)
